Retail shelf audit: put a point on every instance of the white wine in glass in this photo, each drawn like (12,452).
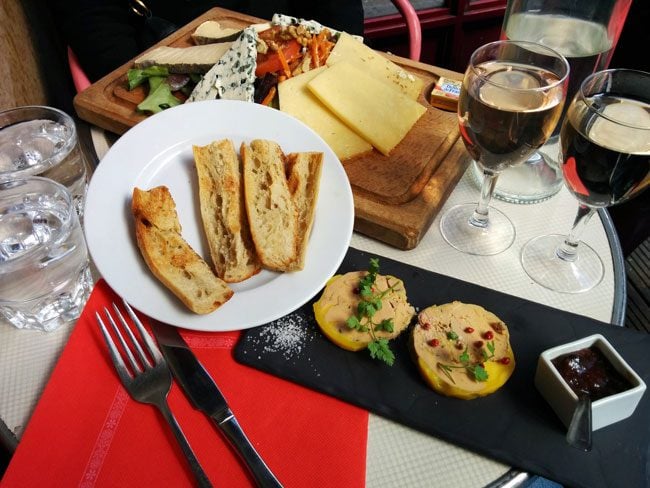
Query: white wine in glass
(585,33)
(605,143)
(510,102)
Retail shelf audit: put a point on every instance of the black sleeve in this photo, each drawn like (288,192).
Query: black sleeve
(103,34)
(344,15)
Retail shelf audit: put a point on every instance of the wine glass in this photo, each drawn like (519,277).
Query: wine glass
(510,102)
(586,33)
(605,144)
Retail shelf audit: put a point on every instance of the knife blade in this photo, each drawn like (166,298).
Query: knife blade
(205,395)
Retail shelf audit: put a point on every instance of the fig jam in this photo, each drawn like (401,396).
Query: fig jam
(587,371)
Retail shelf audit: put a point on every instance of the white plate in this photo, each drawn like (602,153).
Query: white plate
(158,151)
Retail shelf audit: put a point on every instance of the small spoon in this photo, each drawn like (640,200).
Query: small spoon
(580,429)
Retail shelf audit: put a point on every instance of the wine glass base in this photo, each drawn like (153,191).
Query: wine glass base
(534,181)
(542,263)
(496,237)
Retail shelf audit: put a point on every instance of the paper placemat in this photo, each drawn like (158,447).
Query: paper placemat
(87,431)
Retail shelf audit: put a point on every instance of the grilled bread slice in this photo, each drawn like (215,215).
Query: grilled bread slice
(169,257)
(304,170)
(269,205)
(221,197)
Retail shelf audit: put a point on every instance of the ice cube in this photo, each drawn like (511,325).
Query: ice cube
(55,134)
(33,143)
(21,231)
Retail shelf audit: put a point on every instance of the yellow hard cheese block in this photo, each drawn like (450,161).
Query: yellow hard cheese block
(297,100)
(378,112)
(350,50)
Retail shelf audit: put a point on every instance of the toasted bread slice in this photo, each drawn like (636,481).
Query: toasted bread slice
(304,170)
(221,197)
(169,257)
(269,205)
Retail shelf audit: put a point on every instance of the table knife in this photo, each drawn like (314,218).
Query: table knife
(205,395)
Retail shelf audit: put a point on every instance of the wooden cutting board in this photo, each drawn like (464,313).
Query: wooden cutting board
(396,197)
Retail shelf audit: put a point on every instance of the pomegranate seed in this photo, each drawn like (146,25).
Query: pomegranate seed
(425,325)
(434,342)
(478,344)
(469,330)
(488,335)
(356,291)
(459,346)
(505,360)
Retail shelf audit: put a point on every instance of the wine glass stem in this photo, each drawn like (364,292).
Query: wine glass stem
(568,250)
(480,216)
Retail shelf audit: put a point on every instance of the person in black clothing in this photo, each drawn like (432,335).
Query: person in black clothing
(104,34)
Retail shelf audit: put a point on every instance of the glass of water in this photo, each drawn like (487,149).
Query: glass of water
(42,141)
(44,272)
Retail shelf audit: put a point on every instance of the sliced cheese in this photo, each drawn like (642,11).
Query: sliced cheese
(193,59)
(378,112)
(349,49)
(211,31)
(297,100)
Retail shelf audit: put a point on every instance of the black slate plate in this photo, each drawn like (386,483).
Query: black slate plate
(515,425)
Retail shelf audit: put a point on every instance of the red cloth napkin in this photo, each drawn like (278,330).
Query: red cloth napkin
(87,431)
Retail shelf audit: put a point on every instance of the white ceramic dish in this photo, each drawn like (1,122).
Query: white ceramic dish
(563,400)
(158,151)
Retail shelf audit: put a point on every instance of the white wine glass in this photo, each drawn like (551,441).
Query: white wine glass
(510,102)
(605,149)
(585,33)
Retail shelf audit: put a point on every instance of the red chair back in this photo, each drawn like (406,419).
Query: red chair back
(413,25)
(79,78)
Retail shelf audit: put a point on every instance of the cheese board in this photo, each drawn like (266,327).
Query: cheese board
(396,196)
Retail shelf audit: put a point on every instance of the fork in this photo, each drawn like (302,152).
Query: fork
(149,379)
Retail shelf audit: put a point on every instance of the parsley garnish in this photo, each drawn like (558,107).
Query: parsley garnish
(369,305)
(476,369)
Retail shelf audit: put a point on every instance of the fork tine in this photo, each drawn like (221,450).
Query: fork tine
(136,367)
(146,363)
(151,345)
(112,349)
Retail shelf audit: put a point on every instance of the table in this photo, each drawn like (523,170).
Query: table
(28,357)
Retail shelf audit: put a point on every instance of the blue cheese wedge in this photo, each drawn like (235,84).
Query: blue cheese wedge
(312,26)
(233,76)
